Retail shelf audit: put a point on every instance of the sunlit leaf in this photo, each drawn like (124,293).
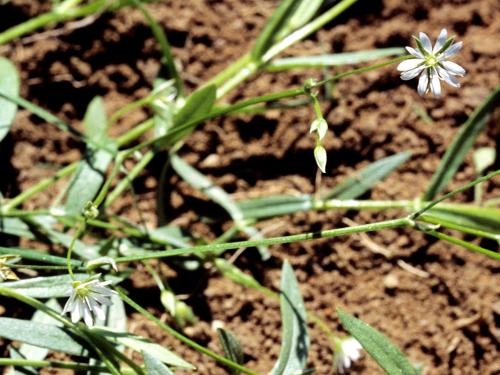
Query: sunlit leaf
(461,145)
(386,354)
(295,340)
(9,84)
(154,366)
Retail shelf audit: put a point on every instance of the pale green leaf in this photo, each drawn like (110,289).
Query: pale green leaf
(366,178)
(49,286)
(154,366)
(140,344)
(232,348)
(386,354)
(463,142)
(337,59)
(484,157)
(295,340)
(43,335)
(9,85)
(320,157)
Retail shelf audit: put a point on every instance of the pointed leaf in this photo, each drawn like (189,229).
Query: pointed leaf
(386,354)
(366,178)
(9,84)
(295,340)
(43,335)
(274,206)
(463,142)
(232,348)
(154,366)
(336,59)
(90,174)
(140,344)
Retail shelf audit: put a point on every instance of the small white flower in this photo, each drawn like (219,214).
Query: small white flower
(431,63)
(87,299)
(347,351)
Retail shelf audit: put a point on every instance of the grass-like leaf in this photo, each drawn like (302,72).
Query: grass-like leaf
(154,366)
(36,353)
(90,173)
(463,142)
(197,106)
(367,177)
(140,344)
(274,206)
(49,286)
(42,335)
(9,84)
(295,340)
(336,59)
(232,348)
(386,354)
(272,28)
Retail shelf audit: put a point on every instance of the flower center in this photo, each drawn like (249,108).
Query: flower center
(431,61)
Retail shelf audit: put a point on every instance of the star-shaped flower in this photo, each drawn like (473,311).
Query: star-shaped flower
(432,63)
(87,299)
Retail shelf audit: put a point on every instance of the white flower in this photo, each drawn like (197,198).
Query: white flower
(347,351)
(432,64)
(87,299)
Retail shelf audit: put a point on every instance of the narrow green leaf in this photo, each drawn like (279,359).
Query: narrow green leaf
(200,182)
(43,335)
(336,59)
(37,353)
(295,340)
(9,84)
(140,344)
(274,205)
(367,177)
(386,354)
(154,366)
(49,286)
(161,37)
(90,174)
(233,273)
(303,11)
(272,28)
(232,348)
(481,218)
(198,105)
(462,143)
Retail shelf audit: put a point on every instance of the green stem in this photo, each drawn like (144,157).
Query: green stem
(50,18)
(71,246)
(182,338)
(59,364)
(416,214)
(307,29)
(270,241)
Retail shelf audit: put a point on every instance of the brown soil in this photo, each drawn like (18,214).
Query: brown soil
(446,318)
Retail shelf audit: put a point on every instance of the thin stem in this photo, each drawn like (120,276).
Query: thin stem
(77,235)
(416,214)
(270,241)
(59,364)
(183,338)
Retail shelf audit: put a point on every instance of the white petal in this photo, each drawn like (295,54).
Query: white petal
(423,82)
(102,290)
(87,316)
(426,42)
(443,35)
(347,362)
(414,52)
(453,68)
(69,304)
(77,312)
(99,312)
(409,64)
(452,50)
(410,74)
(102,300)
(435,84)
(448,78)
